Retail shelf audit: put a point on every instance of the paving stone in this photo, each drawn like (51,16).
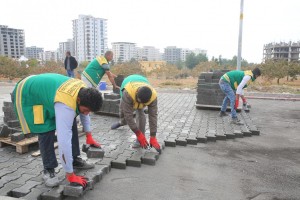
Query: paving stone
(77,191)
(135,160)
(54,193)
(95,153)
(246,133)
(220,137)
(201,138)
(4,131)
(25,189)
(23,179)
(95,176)
(211,138)
(238,134)
(170,142)
(149,158)
(119,163)
(13,123)
(33,194)
(104,167)
(254,131)
(7,188)
(230,135)
(16,137)
(192,140)
(181,141)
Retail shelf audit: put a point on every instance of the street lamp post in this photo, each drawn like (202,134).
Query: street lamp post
(240,37)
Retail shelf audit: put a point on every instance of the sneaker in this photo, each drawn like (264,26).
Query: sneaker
(79,163)
(115,125)
(136,144)
(245,108)
(236,121)
(50,179)
(223,114)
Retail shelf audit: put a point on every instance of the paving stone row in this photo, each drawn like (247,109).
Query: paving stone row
(179,123)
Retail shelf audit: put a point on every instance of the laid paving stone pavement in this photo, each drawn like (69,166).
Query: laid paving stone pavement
(179,123)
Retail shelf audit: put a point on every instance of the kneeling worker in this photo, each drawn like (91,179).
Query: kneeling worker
(137,93)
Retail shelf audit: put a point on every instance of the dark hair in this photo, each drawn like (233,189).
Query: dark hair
(256,72)
(91,98)
(108,53)
(69,53)
(144,94)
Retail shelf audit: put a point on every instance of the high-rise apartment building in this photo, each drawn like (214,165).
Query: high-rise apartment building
(150,53)
(185,52)
(172,54)
(49,56)
(12,42)
(90,37)
(124,51)
(277,51)
(64,47)
(33,52)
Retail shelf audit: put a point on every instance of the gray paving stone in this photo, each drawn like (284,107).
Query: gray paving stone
(95,153)
(220,137)
(211,138)
(135,160)
(7,188)
(16,137)
(33,194)
(24,189)
(170,142)
(149,158)
(230,135)
(254,131)
(54,193)
(4,131)
(246,133)
(119,163)
(73,191)
(201,138)
(181,141)
(192,140)
(238,134)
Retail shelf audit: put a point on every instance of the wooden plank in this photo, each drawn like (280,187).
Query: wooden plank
(21,146)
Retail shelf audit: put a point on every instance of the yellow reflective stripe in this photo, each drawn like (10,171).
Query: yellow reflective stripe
(89,79)
(226,78)
(22,119)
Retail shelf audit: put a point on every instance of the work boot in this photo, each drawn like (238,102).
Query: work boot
(79,163)
(236,121)
(115,125)
(223,114)
(50,179)
(245,108)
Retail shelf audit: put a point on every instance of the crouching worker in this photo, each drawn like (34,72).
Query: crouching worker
(48,102)
(137,93)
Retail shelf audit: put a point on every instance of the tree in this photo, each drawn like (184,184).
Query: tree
(275,69)
(192,60)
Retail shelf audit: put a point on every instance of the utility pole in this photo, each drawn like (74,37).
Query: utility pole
(239,57)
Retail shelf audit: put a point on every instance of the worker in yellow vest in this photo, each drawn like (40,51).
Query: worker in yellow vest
(137,93)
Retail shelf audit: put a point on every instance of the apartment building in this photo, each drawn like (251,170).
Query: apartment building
(64,47)
(12,42)
(49,56)
(172,54)
(124,51)
(33,52)
(185,52)
(282,50)
(90,37)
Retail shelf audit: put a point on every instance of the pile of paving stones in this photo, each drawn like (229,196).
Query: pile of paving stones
(209,93)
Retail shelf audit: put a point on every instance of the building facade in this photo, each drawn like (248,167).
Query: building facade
(172,54)
(124,51)
(278,51)
(12,42)
(49,56)
(90,37)
(64,47)
(33,52)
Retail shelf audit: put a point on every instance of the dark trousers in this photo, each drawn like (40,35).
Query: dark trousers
(46,144)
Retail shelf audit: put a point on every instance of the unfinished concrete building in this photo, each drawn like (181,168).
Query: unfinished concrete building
(277,51)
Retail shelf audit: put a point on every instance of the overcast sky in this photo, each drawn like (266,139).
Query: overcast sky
(212,25)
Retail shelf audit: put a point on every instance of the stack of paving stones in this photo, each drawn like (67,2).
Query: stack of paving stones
(209,93)
(179,124)
(11,126)
(118,80)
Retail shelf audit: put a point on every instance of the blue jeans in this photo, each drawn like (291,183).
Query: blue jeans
(229,95)
(70,73)
(46,144)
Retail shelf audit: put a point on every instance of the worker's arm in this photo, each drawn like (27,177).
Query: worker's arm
(127,109)
(152,112)
(111,78)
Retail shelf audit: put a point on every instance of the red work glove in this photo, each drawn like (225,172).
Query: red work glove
(90,140)
(141,138)
(236,105)
(77,180)
(154,143)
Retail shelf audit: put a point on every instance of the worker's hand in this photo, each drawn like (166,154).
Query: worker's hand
(154,143)
(236,105)
(141,138)
(90,140)
(116,87)
(77,180)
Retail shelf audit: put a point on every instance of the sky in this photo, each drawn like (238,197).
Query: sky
(212,25)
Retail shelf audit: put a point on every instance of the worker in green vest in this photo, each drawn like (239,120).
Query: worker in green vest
(93,74)
(232,84)
(136,94)
(47,103)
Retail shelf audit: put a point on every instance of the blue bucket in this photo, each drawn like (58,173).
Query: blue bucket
(102,85)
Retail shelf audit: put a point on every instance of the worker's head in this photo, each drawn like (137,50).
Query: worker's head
(109,55)
(68,53)
(143,94)
(89,100)
(256,72)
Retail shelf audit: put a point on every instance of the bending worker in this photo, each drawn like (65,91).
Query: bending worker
(137,93)
(92,76)
(48,102)
(232,84)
